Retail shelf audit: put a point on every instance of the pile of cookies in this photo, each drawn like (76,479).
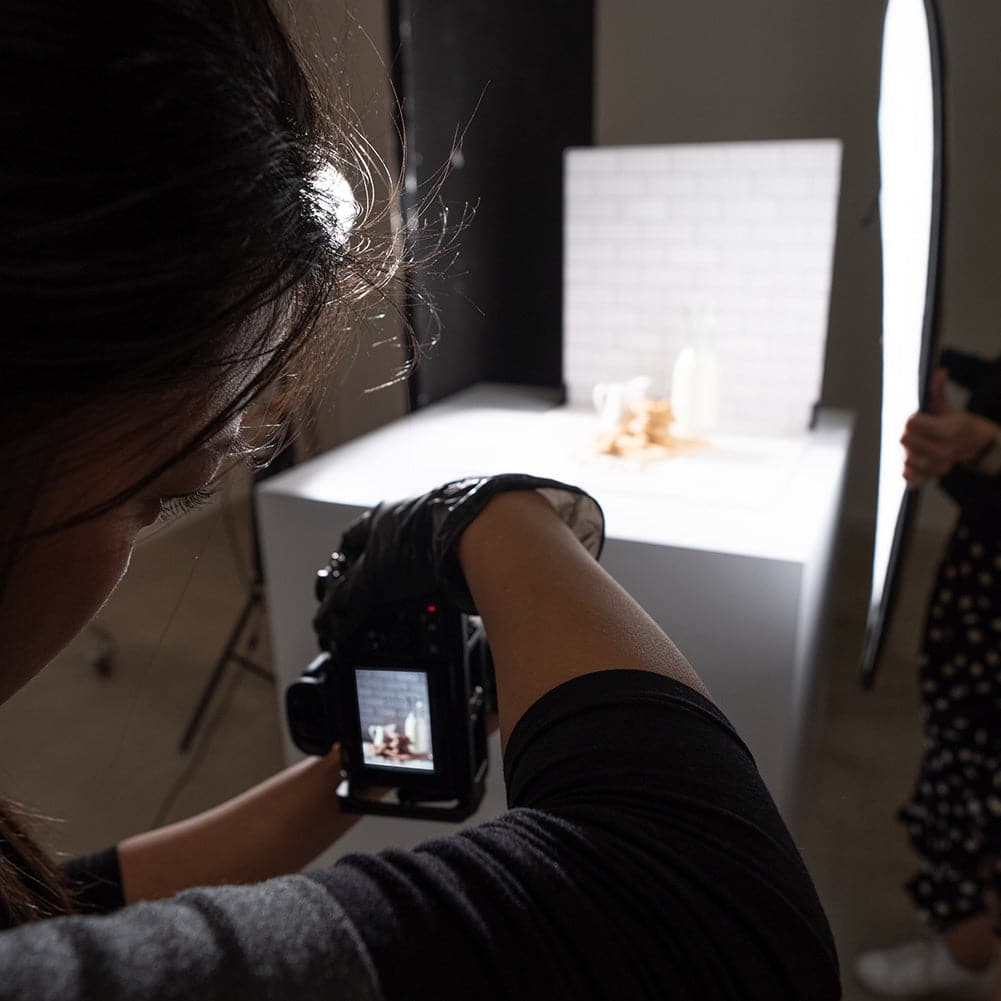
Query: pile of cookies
(645,434)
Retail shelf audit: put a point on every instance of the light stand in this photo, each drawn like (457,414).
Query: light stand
(248,621)
(246,632)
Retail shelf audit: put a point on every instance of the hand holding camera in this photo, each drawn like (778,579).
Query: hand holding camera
(405,680)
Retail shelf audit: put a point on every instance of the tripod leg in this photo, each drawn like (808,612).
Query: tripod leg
(217,673)
(102,655)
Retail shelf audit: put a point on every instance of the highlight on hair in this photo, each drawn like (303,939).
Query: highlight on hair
(180,203)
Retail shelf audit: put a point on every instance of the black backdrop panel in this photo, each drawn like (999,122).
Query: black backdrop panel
(514,79)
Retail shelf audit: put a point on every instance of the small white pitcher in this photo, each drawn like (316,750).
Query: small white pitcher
(612,400)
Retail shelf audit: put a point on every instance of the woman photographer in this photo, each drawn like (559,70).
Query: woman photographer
(172,240)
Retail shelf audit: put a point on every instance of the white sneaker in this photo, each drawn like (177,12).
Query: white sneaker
(921,969)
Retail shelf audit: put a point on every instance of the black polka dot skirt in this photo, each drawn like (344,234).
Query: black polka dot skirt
(954,816)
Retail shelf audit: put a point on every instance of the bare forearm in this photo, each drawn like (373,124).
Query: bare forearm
(551,612)
(275,828)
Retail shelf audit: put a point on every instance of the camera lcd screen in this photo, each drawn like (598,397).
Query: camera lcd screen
(394,710)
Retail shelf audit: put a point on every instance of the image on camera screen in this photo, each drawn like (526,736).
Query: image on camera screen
(395,715)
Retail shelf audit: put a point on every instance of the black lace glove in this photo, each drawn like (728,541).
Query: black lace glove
(406,549)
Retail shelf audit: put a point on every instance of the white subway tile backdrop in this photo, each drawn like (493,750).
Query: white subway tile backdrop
(735,237)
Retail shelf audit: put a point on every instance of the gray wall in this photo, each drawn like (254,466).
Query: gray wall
(972,301)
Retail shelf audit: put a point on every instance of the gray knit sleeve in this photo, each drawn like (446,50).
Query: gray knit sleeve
(286,938)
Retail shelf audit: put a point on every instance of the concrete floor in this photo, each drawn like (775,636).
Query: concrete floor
(100,752)
(863,758)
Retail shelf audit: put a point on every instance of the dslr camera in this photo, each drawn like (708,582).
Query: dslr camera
(406,695)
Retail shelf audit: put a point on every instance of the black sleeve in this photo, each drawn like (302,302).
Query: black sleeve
(964,369)
(95,882)
(643,859)
(978,496)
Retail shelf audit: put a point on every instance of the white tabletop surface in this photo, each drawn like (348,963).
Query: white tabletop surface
(747,495)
